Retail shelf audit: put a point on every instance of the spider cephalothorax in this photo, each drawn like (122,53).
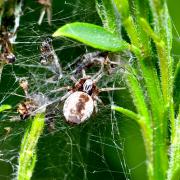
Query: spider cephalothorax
(86,85)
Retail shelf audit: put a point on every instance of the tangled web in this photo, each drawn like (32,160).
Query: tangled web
(94,149)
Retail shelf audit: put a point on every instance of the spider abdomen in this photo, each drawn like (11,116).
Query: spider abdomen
(78,107)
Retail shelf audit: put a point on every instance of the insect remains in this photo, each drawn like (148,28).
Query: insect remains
(94,58)
(49,58)
(33,103)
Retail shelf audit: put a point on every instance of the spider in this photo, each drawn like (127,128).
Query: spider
(81,99)
(79,102)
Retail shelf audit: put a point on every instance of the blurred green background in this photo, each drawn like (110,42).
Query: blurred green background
(108,146)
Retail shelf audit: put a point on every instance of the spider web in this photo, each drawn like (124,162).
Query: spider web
(95,149)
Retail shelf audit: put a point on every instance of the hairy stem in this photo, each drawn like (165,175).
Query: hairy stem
(145,121)
(174,165)
(158,110)
(27,155)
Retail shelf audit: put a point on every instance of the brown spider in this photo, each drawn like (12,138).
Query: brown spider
(81,99)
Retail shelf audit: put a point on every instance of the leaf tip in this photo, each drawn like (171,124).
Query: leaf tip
(56,34)
(5,107)
(114,107)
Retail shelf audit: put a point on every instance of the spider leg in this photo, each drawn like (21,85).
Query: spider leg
(104,62)
(73,79)
(111,89)
(115,63)
(66,95)
(42,15)
(45,9)
(97,60)
(97,99)
(49,14)
(100,73)
(53,102)
(60,89)
(95,106)
(87,60)
(97,76)
(84,73)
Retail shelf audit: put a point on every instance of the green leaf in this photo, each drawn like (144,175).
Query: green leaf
(4,107)
(92,35)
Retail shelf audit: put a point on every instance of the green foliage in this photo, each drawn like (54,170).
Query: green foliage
(153,98)
(140,29)
(92,35)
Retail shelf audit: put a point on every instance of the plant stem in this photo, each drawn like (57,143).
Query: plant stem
(144,122)
(27,155)
(158,117)
(5,107)
(174,165)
